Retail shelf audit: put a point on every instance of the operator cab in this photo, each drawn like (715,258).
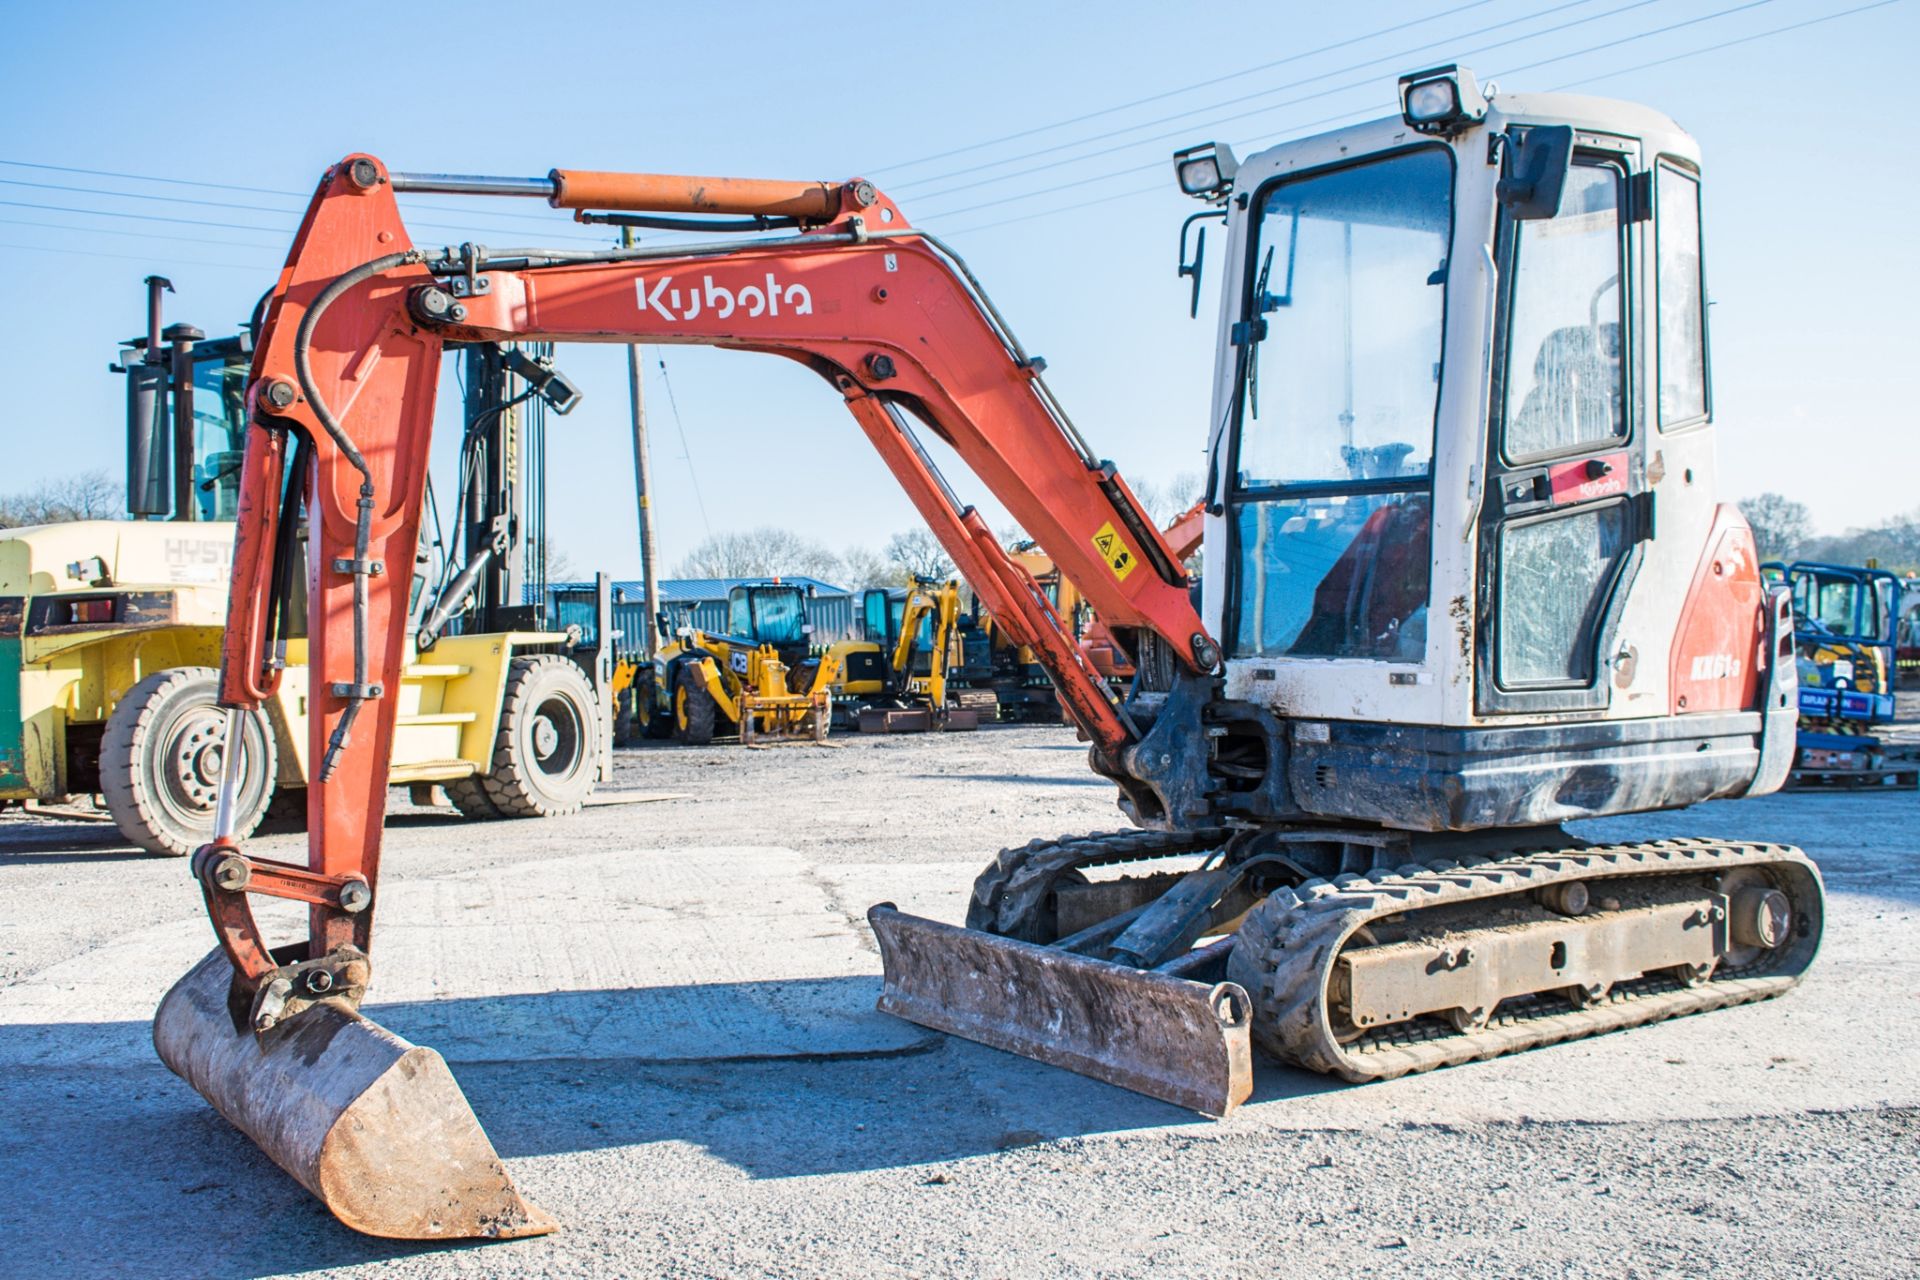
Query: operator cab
(199,382)
(771,613)
(1462,379)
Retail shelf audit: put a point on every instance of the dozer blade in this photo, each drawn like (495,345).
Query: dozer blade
(1181,1041)
(372,1125)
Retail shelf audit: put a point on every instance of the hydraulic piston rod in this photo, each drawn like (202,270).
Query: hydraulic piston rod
(653,192)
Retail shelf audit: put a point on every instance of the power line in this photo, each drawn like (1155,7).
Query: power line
(1358,84)
(138,235)
(255,208)
(1725,44)
(137,217)
(1660,62)
(302,196)
(129,257)
(145,177)
(1174,93)
(1396,58)
(685,452)
(136,195)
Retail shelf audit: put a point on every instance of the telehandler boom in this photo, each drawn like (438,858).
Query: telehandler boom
(1463,561)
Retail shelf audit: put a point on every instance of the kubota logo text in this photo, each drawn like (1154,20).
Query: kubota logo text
(675,304)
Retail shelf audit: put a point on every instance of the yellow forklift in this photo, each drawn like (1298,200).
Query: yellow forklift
(110,629)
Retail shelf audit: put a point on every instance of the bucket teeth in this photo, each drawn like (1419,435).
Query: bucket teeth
(373,1126)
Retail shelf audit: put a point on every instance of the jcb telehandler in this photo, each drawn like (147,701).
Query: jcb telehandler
(761,680)
(1466,579)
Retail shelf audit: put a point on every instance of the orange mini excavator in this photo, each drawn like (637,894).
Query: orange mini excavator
(1466,579)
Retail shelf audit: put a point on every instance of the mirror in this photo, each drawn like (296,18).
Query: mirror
(1192,265)
(1537,165)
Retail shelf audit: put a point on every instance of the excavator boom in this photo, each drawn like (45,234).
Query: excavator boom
(342,395)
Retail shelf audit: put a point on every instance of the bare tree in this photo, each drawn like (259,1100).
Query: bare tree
(91,495)
(559,565)
(865,567)
(917,553)
(1781,526)
(759,553)
(1166,501)
(1891,544)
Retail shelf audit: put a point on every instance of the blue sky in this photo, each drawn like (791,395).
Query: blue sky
(1812,262)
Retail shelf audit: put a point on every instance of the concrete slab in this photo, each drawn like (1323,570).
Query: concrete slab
(647,955)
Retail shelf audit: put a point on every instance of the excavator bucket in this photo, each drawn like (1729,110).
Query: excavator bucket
(1181,1041)
(372,1125)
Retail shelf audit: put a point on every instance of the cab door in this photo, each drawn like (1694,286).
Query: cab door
(1565,516)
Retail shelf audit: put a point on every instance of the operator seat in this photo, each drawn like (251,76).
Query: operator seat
(1574,397)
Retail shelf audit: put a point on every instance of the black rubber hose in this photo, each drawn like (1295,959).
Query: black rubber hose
(363,521)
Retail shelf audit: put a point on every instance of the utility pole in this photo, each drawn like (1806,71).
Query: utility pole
(642,483)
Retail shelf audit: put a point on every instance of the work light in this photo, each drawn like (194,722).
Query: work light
(1206,171)
(1443,100)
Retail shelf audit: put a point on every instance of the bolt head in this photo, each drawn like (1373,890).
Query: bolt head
(355,896)
(279,393)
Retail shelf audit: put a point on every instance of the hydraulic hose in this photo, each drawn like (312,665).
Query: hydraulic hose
(359,691)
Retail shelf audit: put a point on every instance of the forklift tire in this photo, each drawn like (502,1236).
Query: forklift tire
(546,752)
(693,707)
(160,761)
(469,796)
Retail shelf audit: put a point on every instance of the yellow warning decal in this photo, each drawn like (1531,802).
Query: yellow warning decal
(1114,550)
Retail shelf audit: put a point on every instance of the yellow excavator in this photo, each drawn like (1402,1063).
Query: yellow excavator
(110,629)
(902,679)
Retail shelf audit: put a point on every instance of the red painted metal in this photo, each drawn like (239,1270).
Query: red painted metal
(1588,478)
(888,321)
(1718,648)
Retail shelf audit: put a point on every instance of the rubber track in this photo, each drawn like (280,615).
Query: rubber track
(1287,946)
(1008,895)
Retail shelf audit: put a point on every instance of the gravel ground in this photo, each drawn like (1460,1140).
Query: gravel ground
(1772,1140)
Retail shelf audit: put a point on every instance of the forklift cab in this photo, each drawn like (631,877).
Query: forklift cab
(186,423)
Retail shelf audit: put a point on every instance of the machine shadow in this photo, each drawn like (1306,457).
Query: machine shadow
(1021,779)
(31,842)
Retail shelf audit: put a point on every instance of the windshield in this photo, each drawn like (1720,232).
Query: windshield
(767,615)
(1333,510)
(1842,606)
(219,433)
(1349,277)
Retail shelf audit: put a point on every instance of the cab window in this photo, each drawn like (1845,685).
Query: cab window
(1332,476)
(1682,294)
(1565,383)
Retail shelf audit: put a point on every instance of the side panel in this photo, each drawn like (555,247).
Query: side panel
(1718,656)
(14,783)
